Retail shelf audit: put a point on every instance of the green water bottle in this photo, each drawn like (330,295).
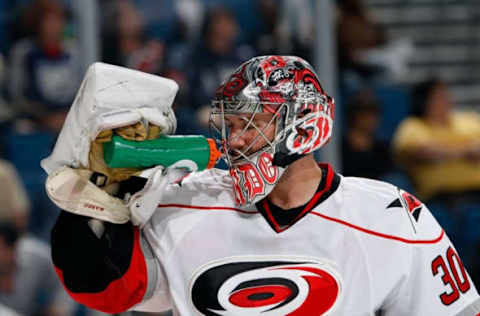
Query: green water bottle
(192,152)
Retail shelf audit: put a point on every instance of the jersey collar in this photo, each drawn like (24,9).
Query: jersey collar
(280,219)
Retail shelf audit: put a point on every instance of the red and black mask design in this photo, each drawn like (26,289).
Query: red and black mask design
(288,88)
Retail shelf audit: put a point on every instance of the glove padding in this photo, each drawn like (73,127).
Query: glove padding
(81,192)
(71,190)
(111,99)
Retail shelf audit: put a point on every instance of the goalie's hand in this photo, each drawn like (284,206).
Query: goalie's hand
(73,190)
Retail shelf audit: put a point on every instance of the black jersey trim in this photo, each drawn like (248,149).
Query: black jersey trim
(280,219)
(90,264)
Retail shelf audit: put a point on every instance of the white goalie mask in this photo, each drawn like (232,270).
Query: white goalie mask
(300,116)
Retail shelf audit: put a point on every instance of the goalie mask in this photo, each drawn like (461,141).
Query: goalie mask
(300,115)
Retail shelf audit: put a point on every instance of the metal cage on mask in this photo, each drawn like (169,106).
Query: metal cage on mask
(221,131)
(297,131)
(288,89)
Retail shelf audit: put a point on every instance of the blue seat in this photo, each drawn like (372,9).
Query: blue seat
(26,151)
(470,228)
(447,219)
(400,179)
(395,106)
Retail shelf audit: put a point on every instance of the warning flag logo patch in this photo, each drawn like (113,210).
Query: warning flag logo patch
(409,202)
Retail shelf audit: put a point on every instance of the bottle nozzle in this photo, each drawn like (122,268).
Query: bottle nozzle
(214,153)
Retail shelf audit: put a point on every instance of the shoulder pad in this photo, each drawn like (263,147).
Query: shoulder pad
(388,210)
(207,179)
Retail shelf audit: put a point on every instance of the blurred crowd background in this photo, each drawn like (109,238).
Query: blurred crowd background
(406,82)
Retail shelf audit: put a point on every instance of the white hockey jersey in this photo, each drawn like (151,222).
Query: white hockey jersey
(359,247)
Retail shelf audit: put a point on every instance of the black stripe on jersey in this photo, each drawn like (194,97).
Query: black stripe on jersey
(90,264)
(280,219)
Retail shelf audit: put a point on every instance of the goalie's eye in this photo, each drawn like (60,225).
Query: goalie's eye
(233,122)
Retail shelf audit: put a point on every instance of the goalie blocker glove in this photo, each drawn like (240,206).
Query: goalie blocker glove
(107,273)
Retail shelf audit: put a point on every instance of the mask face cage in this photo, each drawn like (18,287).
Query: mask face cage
(221,132)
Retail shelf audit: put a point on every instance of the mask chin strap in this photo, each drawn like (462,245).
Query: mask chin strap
(283,160)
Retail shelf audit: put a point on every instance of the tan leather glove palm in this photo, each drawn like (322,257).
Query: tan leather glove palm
(137,132)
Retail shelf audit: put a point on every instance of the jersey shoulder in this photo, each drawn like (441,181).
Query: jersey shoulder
(214,179)
(203,187)
(388,210)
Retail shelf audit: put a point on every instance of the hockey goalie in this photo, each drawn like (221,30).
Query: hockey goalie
(276,234)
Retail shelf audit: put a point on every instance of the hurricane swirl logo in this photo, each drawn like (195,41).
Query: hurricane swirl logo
(273,287)
(301,143)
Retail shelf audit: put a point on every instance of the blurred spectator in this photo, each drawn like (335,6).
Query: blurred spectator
(356,32)
(13,198)
(45,74)
(8,239)
(270,39)
(214,56)
(44,68)
(246,15)
(363,155)
(28,283)
(364,50)
(191,14)
(6,112)
(296,27)
(440,147)
(125,40)
(285,27)
(15,28)
(161,19)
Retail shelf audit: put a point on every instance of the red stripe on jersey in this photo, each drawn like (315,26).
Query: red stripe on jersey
(199,207)
(371,232)
(270,217)
(123,293)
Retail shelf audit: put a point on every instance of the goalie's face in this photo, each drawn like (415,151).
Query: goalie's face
(248,145)
(247,134)
(268,113)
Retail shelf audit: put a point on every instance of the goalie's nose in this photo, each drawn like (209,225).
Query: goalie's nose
(236,142)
